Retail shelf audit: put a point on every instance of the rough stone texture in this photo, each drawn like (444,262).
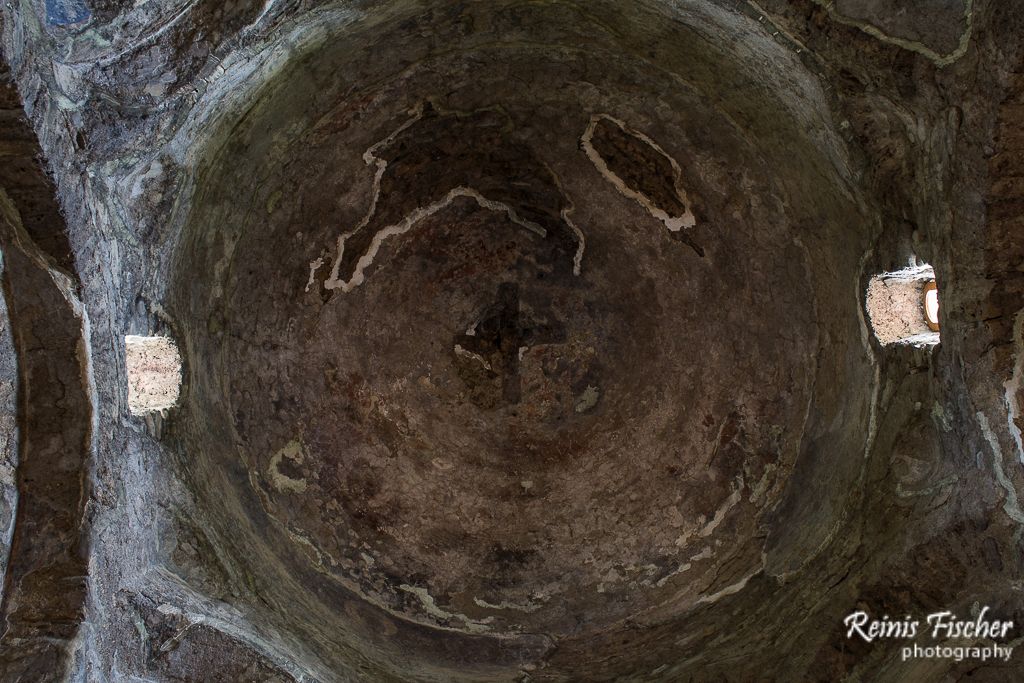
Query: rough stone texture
(521,341)
(8,438)
(45,580)
(43,602)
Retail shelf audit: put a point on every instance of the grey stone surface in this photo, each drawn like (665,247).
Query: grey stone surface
(8,438)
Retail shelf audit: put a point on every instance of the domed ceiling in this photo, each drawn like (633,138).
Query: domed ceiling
(519,341)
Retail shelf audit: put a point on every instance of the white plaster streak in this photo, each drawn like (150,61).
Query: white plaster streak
(1013,386)
(766,480)
(316,552)
(267,6)
(431,608)
(581,242)
(88,378)
(706,554)
(710,527)
(371,158)
(459,351)
(313,267)
(506,606)
(427,601)
(682,568)
(684,537)
(673,223)
(728,590)
(1011,505)
(406,224)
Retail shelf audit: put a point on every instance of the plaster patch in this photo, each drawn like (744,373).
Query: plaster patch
(431,608)
(941,59)
(314,265)
(673,223)
(588,399)
(406,224)
(282,482)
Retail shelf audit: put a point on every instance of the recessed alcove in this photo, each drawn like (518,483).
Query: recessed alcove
(903,307)
(153,369)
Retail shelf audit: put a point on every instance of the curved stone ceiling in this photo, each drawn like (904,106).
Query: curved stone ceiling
(524,340)
(505,349)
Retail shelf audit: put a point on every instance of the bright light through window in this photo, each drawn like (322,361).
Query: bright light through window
(931,305)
